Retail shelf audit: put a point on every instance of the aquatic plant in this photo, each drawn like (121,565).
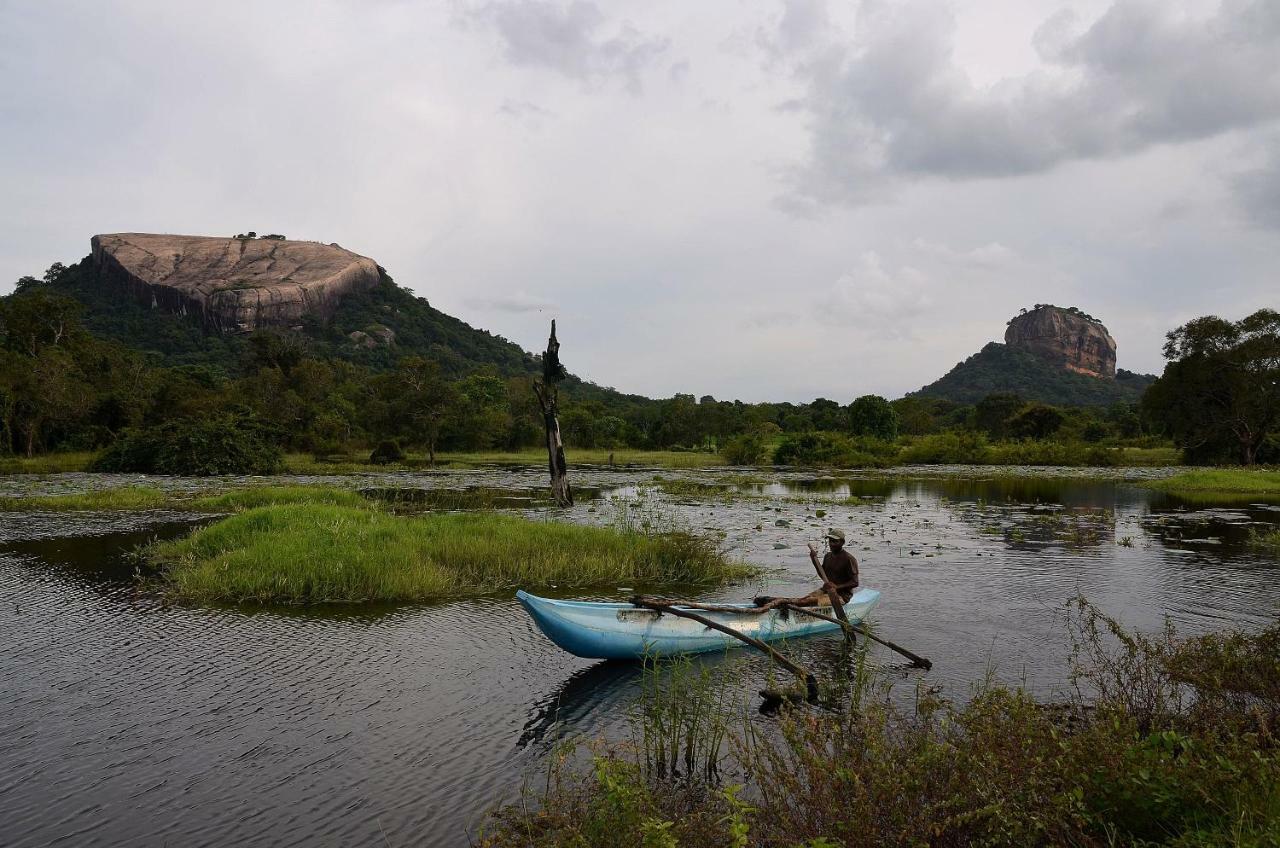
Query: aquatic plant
(314,553)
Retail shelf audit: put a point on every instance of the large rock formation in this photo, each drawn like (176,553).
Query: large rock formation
(233,284)
(1067,338)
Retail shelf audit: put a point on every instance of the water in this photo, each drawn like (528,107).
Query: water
(123,721)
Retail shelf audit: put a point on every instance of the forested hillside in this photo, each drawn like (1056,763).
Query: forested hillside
(998,368)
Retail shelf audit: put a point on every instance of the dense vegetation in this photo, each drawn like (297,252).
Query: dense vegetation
(999,368)
(85,370)
(1219,396)
(1168,741)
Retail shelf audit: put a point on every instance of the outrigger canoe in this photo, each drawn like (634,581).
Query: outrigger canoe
(615,631)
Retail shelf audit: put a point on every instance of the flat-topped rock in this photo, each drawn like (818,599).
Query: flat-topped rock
(233,284)
(1067,338)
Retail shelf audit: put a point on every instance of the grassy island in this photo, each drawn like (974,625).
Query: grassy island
(316,553)
(1230,481)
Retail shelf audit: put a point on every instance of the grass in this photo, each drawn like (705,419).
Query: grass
(1266,541)
(1225,480)
(315,553)
(243,499)
(124,498)
(591,456)
(51,463)
(131,498)
(1167,741)
(1150,457)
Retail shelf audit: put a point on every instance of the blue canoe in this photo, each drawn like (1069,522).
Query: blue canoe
(622,631)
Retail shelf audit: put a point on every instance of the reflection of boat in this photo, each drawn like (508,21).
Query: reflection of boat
(623,631)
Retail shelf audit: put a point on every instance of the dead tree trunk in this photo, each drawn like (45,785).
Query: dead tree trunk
(549,401)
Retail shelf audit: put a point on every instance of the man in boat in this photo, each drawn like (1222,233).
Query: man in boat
(841,568)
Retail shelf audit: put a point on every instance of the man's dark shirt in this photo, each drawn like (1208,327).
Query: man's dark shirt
(841,567)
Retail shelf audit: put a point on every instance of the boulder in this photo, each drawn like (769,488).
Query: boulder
(1067,338)
(233,285)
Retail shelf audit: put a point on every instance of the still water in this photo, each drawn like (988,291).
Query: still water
(124,721)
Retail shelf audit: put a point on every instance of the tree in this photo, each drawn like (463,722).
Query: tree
(871,415)
(992,413)
(1035,421)
(1219,396)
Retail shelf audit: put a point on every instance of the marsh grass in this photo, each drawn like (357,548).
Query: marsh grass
(1266,541)
(50,463)
(134,498)
(240,500)
(1169,741)
(320,553)
(1220,480)
(124,498)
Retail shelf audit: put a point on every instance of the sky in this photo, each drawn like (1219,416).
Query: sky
(754,200)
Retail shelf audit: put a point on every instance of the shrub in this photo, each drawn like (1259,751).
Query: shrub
(962,448)
(834,450)
(743,450)
(220,445)
(387,452)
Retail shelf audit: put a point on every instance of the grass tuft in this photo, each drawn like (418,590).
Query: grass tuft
(316,553)
(243,499)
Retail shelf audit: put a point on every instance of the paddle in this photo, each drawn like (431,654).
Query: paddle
(836,604)
(916,661)
(810,682)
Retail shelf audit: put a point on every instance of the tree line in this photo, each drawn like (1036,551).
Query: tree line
(62,388)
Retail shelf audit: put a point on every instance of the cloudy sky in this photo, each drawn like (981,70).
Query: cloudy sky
(757,200)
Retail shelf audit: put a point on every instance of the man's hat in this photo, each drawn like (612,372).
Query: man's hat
(833,533)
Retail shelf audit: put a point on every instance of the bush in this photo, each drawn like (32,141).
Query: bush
(387,452)
(198,448)
(743,450)
(962,448)
(835,451)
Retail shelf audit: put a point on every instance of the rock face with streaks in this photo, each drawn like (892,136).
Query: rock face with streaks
(1067,338)
(234,285)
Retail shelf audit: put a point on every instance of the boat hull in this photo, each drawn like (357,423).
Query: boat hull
(616,631)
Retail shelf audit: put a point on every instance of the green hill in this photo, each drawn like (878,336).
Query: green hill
(999,368)
(418,327)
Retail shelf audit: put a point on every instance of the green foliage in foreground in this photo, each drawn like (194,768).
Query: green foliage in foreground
(316,553)
(1234,480)
(1175,743)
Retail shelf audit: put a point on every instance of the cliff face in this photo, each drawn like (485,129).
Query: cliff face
(234,285)
(1065,339)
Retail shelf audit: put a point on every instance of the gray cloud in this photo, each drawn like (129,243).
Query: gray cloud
(516,302)
(894,103)
(572,39)
(1257,190)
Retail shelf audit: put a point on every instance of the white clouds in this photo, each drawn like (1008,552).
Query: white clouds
(883,302)
(517,301)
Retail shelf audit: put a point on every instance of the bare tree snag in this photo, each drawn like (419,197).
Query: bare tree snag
(549,401)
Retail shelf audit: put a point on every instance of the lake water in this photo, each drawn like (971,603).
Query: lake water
(124,721)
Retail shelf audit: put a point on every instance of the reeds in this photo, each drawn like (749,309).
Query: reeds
(315,553)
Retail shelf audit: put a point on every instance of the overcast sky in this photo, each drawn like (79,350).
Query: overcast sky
(755,200)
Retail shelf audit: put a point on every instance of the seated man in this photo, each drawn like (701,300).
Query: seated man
(841,569)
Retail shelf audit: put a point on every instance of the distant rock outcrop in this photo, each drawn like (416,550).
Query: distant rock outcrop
(1067,338)
(233,284)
